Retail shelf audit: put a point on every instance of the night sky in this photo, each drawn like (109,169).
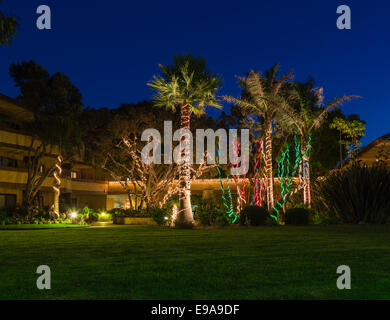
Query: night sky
(111,49)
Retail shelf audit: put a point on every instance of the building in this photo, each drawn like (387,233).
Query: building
(377,150)
(80,184)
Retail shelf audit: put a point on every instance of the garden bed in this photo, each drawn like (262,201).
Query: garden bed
(134,220)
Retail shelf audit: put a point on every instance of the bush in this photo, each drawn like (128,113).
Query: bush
(93,215)
(356,194)
(208,214)
(221,220)
(254,216)
(161,215)
(120,212)
(325,217)
(297,216)
(205,213)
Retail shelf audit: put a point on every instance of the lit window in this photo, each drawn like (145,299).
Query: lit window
(73,175)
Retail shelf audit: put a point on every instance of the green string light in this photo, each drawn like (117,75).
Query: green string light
(226,203)
(285,179)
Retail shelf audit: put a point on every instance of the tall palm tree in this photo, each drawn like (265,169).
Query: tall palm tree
(188,85)
(262,96)
(303,111)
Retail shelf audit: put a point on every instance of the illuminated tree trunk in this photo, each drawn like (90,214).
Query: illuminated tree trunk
(184,217)
(56,185)
(268,166)
(306,176)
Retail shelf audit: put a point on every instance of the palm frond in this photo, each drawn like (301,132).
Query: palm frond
(242,104)
(336,102)
(254,85)
(279,83)
(288,117)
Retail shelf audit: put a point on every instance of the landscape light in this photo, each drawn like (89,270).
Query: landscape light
(103,214)
(166,218)
(74,214)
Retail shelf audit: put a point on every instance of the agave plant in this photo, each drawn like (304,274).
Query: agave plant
(356,193)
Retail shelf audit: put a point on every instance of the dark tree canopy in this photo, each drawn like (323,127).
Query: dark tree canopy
(9,27)
(45,94)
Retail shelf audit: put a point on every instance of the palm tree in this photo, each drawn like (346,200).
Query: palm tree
(303,111)
(262,97)
(188,85)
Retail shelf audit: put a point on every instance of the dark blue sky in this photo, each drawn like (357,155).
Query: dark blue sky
(111,49)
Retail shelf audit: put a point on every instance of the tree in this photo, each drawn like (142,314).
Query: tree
(303,111)
(262,96)
(156,182)
(9,27)
(56,104)
(44,94)
(53,135)
(112,143)
(325,147)
(188,85)
(104,132)
(351,130)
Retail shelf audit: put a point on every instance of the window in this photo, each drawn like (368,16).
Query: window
(41,169)
(8,162)
(73,175)
(7,200)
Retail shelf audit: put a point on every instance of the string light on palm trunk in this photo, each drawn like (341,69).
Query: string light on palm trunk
(57,181)
(185,168)
(260,180)
(283,174)
(285,179)
(228,203)
(240,189)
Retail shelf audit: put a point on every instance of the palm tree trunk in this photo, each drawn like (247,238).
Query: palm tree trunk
(268,166)
(306,176)
(184,217)
(306,179)
(341,152)
(57,185)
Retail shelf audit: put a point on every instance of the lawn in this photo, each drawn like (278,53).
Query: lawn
(39,226)
(156,263)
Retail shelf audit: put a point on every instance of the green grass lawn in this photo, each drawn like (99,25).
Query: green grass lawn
(39,226)
(157,263)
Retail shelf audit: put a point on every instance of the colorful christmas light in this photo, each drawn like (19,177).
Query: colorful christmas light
(228,203)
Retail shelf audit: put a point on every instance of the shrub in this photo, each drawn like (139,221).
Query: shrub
(93,215)
(120,212)
(205,213)
(221,220)
(324,217)
(254,216)
(297,216)
(161,215)
(356,193)
(208,214)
